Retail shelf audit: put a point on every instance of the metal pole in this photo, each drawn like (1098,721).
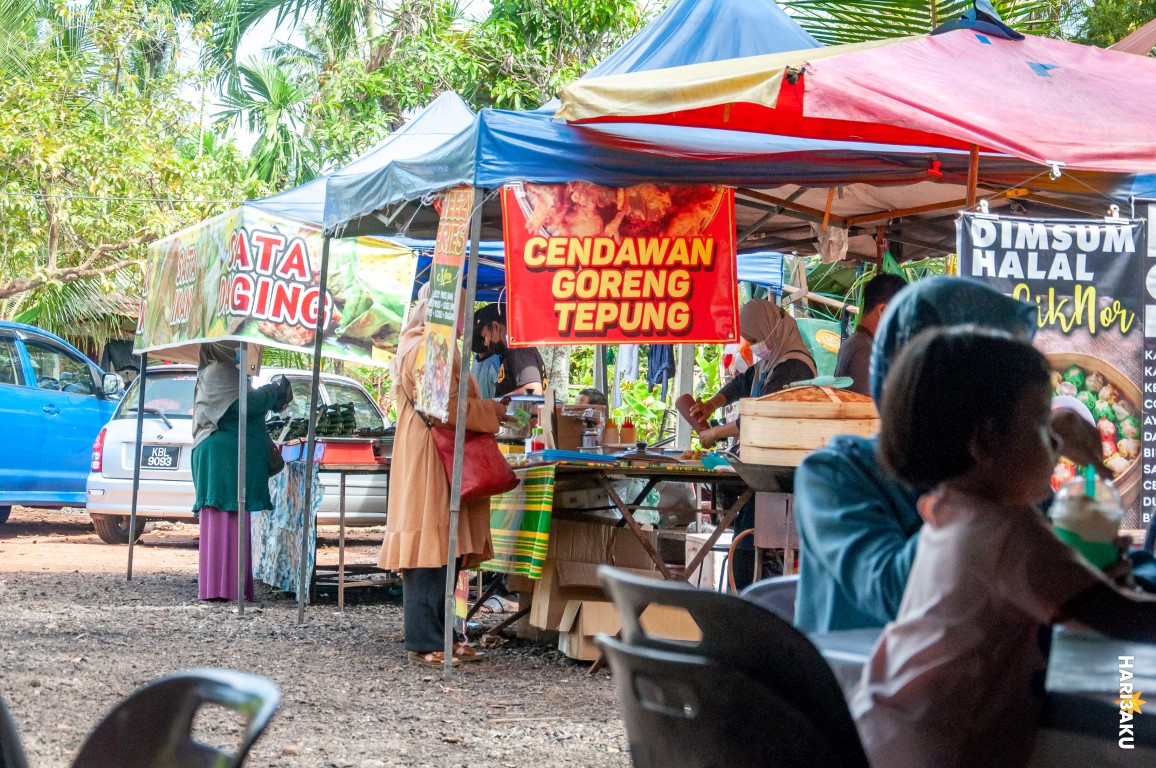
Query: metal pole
(242,474)
(460,431)
(304,577)
(140,401)
(685,386)
(600,369)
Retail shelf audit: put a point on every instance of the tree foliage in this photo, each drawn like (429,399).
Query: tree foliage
(99,152)
(1105,22)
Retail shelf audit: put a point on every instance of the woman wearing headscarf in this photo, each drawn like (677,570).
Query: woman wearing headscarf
(783,359)
(858,527)
(417,529)
(216,420)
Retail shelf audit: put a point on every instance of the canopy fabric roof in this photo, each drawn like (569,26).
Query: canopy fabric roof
(1140,41)
(949,90)
(440,120)
(687,32)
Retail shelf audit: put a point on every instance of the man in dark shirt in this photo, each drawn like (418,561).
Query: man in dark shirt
(521,370)
(855,353)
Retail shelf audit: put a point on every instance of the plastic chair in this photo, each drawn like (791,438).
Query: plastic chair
(777,595)
(11,750)
(683,709)
(746,639)
(152,728)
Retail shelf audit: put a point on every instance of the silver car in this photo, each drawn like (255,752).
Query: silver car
(166,479)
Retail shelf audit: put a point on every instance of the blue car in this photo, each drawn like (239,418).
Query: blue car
(53,403)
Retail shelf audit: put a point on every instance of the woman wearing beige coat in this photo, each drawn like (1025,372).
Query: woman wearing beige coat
(417,529)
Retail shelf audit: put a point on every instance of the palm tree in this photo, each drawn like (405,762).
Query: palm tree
(272,100)
(852,21)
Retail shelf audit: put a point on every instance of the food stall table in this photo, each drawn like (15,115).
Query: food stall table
(1083,689)
(343,471)
(520,519)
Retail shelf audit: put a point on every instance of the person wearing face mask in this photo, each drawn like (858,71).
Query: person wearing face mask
(782,359)
(521,371)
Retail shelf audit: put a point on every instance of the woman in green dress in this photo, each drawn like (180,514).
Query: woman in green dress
(216,422)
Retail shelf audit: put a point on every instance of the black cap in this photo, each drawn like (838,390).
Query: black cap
(482,318)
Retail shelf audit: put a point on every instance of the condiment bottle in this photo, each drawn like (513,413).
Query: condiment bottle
(627,433)
(610,433)
(537,440)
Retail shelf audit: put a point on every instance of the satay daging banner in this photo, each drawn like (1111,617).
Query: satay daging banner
(587,264)
(251,276)
(1086,278)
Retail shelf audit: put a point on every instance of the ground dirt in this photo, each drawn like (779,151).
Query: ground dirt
(76,638)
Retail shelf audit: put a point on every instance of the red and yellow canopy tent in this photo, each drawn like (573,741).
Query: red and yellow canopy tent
(976,85)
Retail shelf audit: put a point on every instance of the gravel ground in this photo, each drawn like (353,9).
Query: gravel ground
(77,637)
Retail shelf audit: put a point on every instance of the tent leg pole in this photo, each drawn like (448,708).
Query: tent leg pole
(972,176)
(242,469)
(685,386)
(600,369)
(304,576)
(140,401)
(460,431)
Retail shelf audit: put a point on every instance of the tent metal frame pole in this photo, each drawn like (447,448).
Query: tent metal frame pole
(685,386)
(304,577)
(972,176)
(600,382)
(140,401)
(242,470)
(460,433)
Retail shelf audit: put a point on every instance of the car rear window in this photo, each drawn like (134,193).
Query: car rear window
(365,411)
(171,394)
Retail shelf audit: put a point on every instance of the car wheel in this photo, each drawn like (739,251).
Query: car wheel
(113,529)
(4,512)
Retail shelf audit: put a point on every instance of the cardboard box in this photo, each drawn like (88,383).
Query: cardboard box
(710,574)
(568,429)
(583,620)
(561,582)
(597,542)
(775,521)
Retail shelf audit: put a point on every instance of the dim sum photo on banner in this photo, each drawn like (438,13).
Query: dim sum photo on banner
(587,264)
(1086,278)
(435,356)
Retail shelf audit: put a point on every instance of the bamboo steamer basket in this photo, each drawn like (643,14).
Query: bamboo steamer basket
(782,428)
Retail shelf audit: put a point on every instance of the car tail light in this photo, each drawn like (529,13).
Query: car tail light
(98,452)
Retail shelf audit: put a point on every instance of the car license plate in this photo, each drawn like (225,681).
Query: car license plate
(160,457)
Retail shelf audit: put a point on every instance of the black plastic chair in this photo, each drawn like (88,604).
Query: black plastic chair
(776,594)
(11,750)
(761,669)
(152,728)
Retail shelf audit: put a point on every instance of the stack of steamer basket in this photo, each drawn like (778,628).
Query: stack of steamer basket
(782,428)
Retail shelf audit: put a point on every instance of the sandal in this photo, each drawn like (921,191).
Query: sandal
(431,659)
(465,652)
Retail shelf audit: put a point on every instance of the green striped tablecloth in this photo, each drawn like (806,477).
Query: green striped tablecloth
(520,523)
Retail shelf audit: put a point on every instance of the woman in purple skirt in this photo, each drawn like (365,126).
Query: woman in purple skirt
(215,437)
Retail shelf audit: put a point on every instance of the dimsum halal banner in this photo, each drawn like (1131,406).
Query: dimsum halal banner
(251,276)
(602,265)
(1086,279)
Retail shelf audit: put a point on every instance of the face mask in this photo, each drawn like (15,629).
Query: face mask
(761,351)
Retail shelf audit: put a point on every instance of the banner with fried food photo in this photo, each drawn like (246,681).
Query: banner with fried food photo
(587,264)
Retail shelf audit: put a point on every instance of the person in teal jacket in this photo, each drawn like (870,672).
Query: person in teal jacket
(858,527)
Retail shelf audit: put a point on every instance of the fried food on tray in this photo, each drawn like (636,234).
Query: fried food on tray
(582,209)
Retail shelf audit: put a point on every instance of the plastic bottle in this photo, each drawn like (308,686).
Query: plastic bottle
(1086,514)
(610,433)
(627,433)
(683,404)
(536,441)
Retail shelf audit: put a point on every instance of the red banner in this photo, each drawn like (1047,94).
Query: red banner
(597,265)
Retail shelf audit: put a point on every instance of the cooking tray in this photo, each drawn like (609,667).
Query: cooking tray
(763,477)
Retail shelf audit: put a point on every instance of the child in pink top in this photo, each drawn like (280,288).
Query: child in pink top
(957,678)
